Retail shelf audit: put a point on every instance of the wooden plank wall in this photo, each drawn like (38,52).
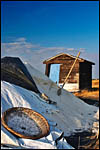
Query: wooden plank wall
(64,70)
(81,73)
(47,69)
(66,63)
(60,60)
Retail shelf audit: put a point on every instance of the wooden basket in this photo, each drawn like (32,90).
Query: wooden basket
(25,123)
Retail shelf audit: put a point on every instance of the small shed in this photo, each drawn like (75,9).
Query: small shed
(57,68)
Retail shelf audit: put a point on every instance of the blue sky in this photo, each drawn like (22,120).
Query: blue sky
(37,30)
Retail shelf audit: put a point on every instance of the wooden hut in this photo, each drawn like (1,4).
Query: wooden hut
(57,68)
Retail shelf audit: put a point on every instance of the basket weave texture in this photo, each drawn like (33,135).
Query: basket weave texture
(25,123)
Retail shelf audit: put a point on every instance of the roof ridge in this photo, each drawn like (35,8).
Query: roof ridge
(59,55)
(81,59)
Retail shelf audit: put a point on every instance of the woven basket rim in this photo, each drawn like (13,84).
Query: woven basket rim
(38,136)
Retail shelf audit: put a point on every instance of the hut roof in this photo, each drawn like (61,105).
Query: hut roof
(47,61)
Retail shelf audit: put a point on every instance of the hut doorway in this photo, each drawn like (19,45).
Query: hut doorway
(54,73)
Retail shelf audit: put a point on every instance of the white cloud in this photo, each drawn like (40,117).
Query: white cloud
(71,49)
(22,39)
(36,54)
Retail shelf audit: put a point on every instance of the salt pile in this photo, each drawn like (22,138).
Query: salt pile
(73,114)
(69,115)
(23,125)
(15,96)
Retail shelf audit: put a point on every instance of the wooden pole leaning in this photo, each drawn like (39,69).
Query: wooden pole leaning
(59,90)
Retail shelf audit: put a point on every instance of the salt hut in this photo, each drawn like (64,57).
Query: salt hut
(57,68)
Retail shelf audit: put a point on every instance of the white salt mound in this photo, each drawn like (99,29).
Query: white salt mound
(68,116)
(15,96)
(23,124)
(73,114)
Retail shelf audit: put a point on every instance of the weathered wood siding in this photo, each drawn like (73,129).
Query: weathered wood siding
(81,75)
(47,69)
(66,64)
(64,70)
(60,60)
